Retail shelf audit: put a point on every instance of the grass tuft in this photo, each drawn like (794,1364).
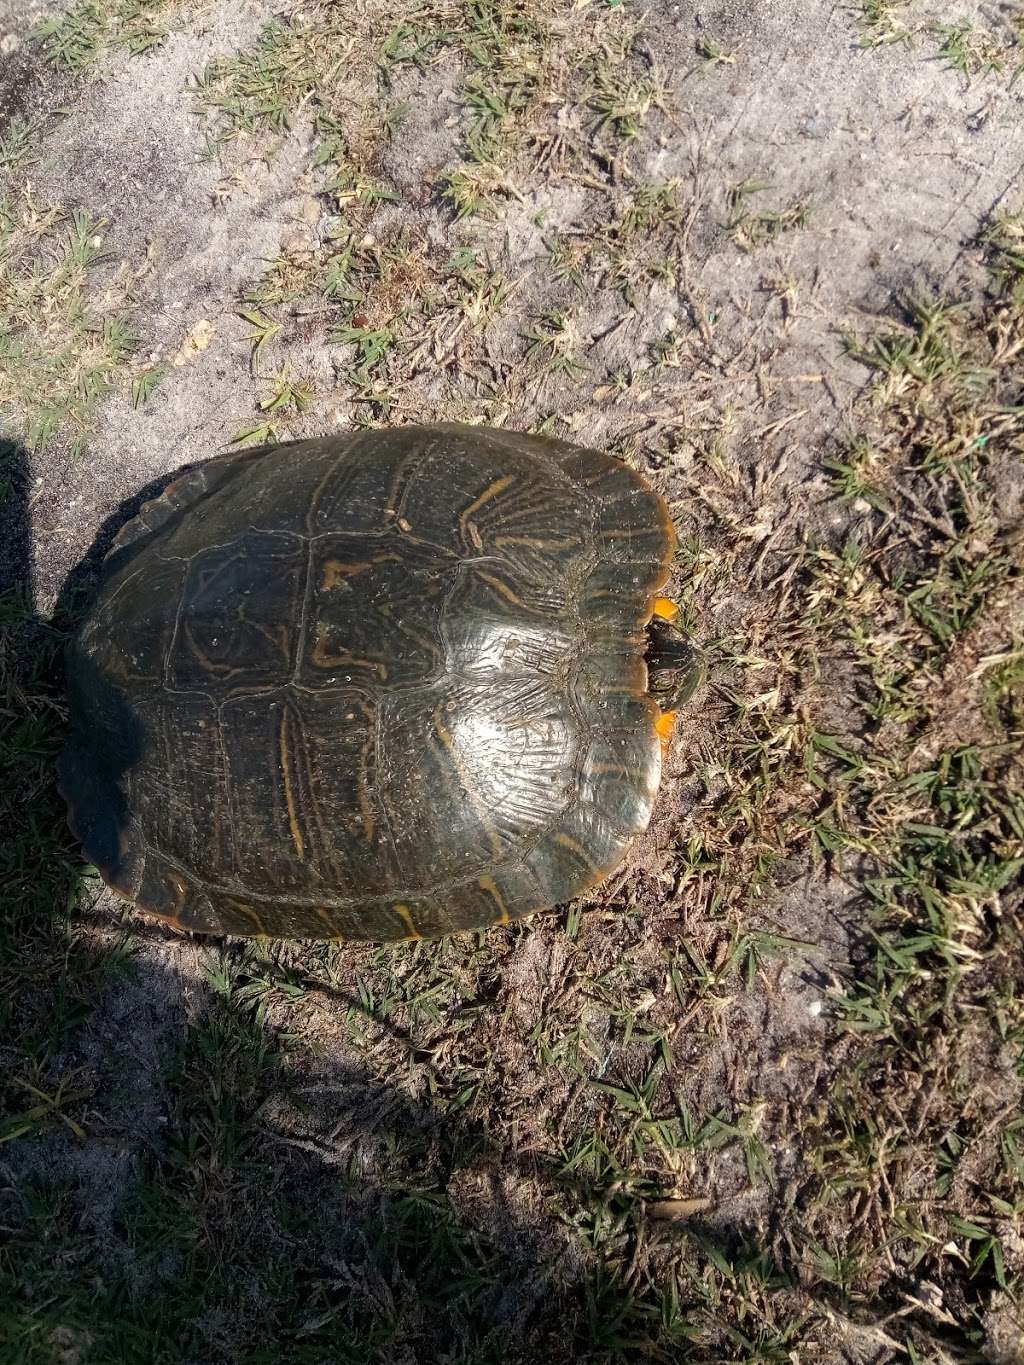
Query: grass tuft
(77,39)
(63,342)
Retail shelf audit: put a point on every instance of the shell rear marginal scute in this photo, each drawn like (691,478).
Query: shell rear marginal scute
(376,688)
(578,854)
(175,896)
(619,775)
(491,898)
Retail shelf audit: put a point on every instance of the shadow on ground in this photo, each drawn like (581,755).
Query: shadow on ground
(183,1179)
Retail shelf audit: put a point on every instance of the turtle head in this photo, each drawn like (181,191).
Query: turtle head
(676,667)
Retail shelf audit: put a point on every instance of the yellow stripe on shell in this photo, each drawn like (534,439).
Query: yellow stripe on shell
(289,795)
(501,587)
(405,915)
(577,850)
(466,525)
(487,884)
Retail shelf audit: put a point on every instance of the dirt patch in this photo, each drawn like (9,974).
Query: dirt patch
(133,157)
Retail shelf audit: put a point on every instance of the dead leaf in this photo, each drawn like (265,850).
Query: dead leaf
(677,1208)
(195,343)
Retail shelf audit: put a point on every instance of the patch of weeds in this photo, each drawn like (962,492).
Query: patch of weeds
(856,475)
(76,39)
(506,45)
(415,40)
(882,24)
(522,64)
(372,346)
(553,344)
(621,97)
(289,394)
(668,352)
(289,397)
(145,383)
(377,301)
(712,53)
(265,328)
(205,1204)
(307,64)
(642,245)
(1003,690)
(568,260)
(751,227)
(18,145)
(654,207)
(1004,238)
(510,63)
(347,151)
(479,291)
(928,349)
(963,46)
(476,188)
(260,90)
(380,290)
(63,342)
(970,50)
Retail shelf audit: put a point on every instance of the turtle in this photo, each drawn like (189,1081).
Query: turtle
(389,684)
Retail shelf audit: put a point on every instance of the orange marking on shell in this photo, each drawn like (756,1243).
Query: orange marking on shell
(322,657)
(666,609)
(325,914)
(501,587)
(466,523)
(665,726)
(251,916)
(333,571)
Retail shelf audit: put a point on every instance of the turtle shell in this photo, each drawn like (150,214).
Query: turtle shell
(382,686)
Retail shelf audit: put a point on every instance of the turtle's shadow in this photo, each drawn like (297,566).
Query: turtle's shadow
(16,554)
(35,651)
(209,1174)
